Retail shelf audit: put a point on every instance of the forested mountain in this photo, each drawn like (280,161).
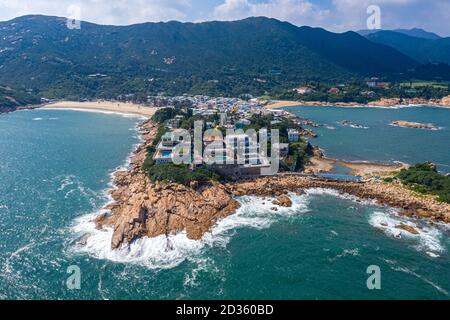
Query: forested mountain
(254,55)
(416,32)
(424,50)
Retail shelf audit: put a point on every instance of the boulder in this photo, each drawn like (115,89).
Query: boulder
(407,228)
(283,201)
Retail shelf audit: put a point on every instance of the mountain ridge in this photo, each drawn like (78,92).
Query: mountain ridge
(253,55)
(422,50)
(414,32)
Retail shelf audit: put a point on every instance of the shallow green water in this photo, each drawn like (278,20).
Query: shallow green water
(55,166)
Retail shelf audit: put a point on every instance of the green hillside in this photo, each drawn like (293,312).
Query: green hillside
(422,49)
(254,55)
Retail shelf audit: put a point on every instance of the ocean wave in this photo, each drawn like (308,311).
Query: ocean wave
(337,194)
(166,252)
(37,119)
(428,240)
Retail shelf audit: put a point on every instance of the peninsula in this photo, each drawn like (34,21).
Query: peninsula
(155,197)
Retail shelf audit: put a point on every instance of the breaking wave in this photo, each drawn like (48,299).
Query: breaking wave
(428,239)
(166,252)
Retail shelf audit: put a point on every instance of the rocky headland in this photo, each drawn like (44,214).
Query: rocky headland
(142,208)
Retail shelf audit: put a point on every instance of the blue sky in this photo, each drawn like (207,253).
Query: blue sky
(334,15)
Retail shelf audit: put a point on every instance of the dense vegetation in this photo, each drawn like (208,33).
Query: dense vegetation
(181,174)
(359,91)
(255,55)
(299,152)
(425,178)
(299,155)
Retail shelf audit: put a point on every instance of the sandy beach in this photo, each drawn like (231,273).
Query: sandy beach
(384,103)
(105,106)
(282,104)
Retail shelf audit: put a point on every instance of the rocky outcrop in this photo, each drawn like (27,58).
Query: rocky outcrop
(142,208)
(416,125)
(392,194)
(146,209)
(283,201)
(407,229)
(445,101)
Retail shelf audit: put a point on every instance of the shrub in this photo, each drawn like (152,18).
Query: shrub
(179,174)
(424,178)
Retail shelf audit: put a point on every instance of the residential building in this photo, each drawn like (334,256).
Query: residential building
(293,135)
(164,150)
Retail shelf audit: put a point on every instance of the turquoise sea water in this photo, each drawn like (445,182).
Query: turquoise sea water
(56,165)
(379,141)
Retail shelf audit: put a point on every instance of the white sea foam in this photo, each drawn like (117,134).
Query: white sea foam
(168,252)
(428,240)
(346,253)
(38,119)
(337,194)
(67,181)
(358,127)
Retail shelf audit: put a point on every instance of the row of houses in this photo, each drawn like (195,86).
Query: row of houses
(235,155)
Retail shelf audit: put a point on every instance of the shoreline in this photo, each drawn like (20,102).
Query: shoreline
(103,106)
(383,103)
(141,208)
(320,163)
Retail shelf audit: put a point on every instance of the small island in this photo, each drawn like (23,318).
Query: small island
(415,125)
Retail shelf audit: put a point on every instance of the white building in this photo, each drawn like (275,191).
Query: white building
(164,150)
(293,135)
(238,155)
(304,90)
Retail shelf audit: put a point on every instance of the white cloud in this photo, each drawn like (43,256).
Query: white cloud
(335,15)
(118,12)
(300,12)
